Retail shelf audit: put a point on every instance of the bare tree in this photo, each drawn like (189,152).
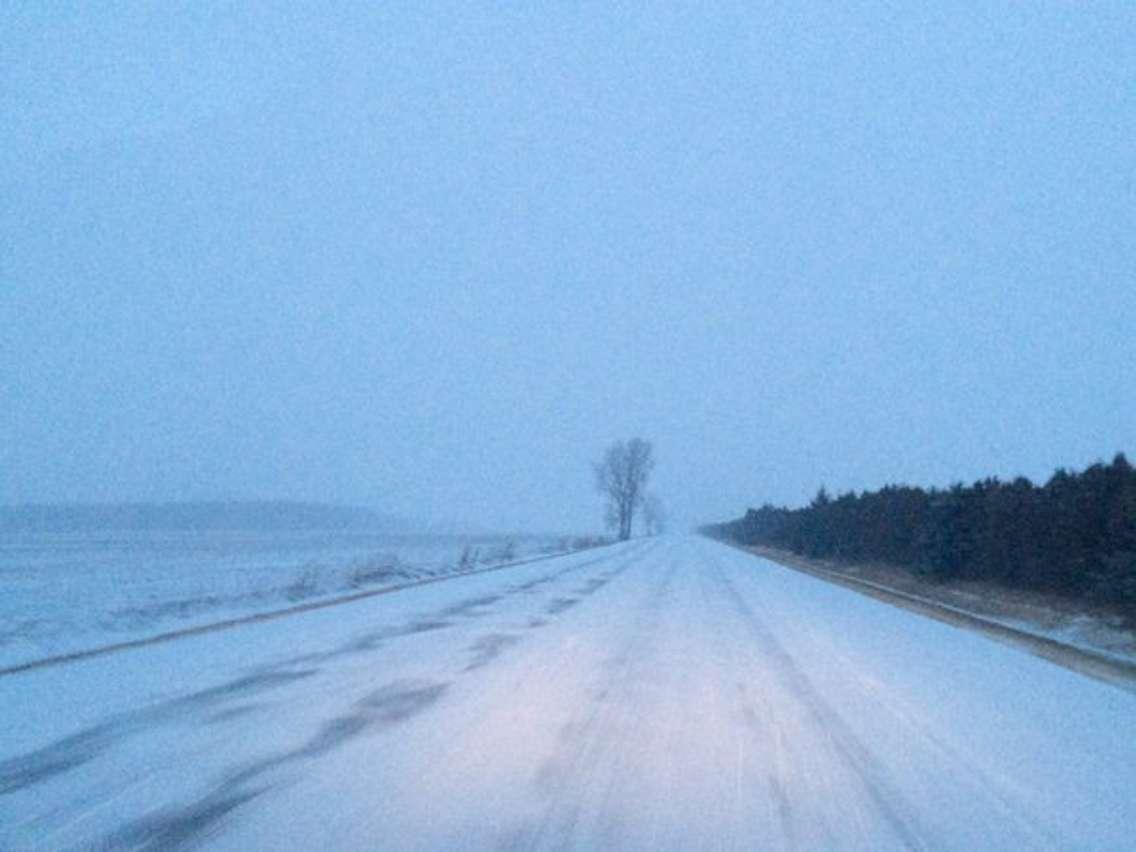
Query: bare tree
(622,478)
(654,516)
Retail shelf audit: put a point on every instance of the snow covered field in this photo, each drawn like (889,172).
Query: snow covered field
(665,694)
(68,591)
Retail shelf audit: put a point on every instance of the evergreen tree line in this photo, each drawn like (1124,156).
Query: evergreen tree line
(1075,536)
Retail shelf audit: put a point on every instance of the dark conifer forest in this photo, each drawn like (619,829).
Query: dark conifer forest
(1074,537)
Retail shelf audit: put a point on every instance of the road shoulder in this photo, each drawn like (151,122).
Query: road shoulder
(1091,663)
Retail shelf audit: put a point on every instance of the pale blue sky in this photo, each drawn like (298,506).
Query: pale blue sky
(433,257)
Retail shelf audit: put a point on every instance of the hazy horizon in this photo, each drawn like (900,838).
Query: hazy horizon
(431,261)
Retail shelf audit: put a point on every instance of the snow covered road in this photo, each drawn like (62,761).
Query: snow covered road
(663,694)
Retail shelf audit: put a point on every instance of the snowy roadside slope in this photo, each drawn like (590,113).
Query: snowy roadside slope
(69,592)
(672,694)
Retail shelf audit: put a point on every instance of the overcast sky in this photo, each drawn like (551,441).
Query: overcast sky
(432,258)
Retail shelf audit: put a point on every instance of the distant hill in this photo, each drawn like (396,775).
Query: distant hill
(245,515)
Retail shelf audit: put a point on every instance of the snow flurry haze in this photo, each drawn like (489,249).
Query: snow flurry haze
(432,258)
